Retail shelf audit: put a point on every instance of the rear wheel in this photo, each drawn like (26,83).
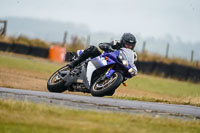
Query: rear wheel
(55,82)
(106,87)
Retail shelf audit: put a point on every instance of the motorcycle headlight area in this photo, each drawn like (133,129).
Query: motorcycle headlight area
(131,71)
(125,63)
(122,59)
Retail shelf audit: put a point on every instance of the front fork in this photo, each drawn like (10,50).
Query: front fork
(110,72)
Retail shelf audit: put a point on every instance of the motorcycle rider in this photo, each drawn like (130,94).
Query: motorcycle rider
(128,40)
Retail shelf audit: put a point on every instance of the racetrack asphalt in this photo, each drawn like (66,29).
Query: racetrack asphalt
(102,103)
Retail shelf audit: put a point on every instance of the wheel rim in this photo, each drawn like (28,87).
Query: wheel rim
(55,78)
(100,85)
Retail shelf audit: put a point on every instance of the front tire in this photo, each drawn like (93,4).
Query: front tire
(56,84)
(102,88)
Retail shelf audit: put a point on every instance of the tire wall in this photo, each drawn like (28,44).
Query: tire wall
(23,49)
(179,72)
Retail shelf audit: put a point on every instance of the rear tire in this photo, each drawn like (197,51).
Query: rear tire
(55,84)
(107,88)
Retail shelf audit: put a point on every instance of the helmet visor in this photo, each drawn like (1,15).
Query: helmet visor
(129,45)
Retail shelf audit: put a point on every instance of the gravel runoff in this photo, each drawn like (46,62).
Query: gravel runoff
(103,104)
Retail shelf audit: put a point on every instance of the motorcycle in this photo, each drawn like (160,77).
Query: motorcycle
(100,76)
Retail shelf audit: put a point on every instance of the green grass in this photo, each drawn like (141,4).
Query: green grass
(157,89)
(168,87)
(28,64)
(23,117)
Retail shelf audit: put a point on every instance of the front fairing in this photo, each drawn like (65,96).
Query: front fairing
(113,59)
(130,56)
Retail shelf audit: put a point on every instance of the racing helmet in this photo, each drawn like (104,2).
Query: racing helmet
(128,40)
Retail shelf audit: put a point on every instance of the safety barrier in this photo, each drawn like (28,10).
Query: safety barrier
(23,49)
(170,70)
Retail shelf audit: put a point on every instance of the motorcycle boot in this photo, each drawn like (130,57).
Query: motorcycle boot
(75,62)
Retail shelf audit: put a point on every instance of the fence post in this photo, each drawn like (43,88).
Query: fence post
(88,41)
(167,50)
(5,27)
(143,47)
(192,55)
(3,33)
(64,38)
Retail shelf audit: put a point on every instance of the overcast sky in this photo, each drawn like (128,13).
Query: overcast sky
(157,18)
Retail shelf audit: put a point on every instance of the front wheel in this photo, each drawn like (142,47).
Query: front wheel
(55,83)
(104,87)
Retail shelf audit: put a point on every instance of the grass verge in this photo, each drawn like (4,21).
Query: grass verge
(23,117)
(156,89)
(28,63)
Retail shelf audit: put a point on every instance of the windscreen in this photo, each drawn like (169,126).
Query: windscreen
(129,54)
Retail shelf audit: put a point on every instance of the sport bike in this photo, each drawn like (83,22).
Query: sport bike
(100,76)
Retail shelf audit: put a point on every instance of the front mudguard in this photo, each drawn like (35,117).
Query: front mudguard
(110,72)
